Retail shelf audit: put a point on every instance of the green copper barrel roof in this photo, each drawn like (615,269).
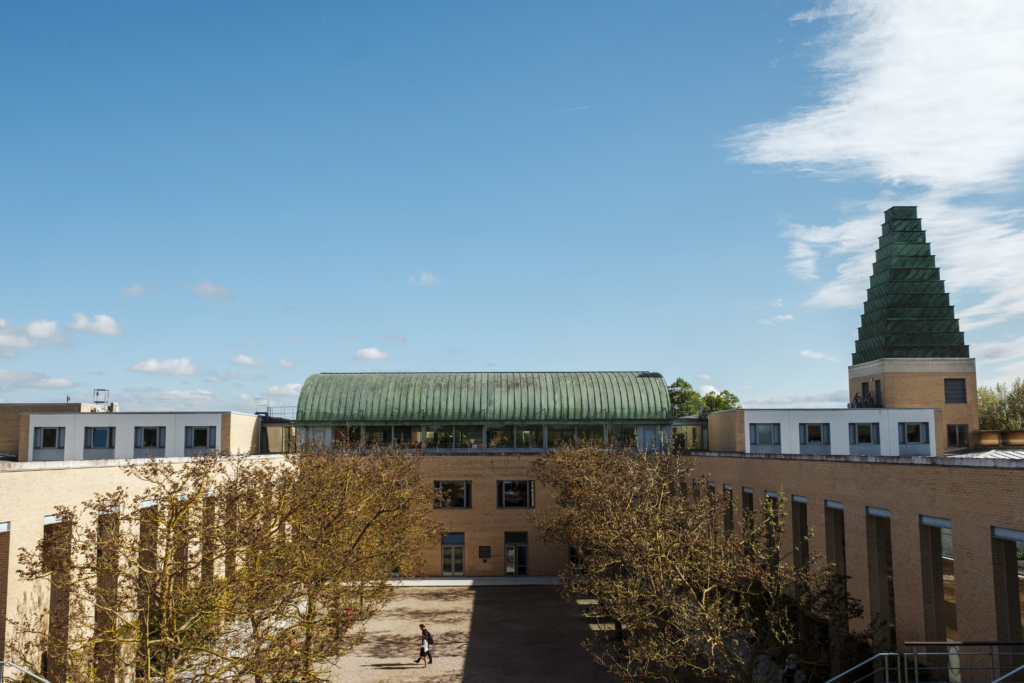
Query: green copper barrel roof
(907,314)
(416,398)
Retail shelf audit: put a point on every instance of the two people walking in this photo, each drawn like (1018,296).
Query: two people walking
(426,639)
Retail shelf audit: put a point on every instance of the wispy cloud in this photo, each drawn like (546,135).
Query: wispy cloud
(817,355)
(776,319)
(704,377)
(100,324)
(242,359)
(152,399)
(370,354)
(397,336)
(171,366)
(832,399)
(562,111)
(900,77)
(998,351)
(423,278)
(134,290)
(11,380)
(287,363)
(208,290)
(287,391)
(776,302)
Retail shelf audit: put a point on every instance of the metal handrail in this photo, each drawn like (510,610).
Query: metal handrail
(1003,678)
(26,671)
(871,659)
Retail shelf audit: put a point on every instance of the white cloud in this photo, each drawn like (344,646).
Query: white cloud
(998,351)
(100,324)
(151,399)
(776,319)
(370,354)
(14,338)
(134,290)
(423,278)
(397,336)
(44,329)
(242,359)
(925,95)
(832,399)
(817,355)
(776,302)
(171,366)
(287,391)
(287,363)
(208,290)
(23,379)
(704,377)
(705,389)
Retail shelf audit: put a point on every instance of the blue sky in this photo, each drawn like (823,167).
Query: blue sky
(201,205)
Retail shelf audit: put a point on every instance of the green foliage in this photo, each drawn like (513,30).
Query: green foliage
(1002,407)
(687,401)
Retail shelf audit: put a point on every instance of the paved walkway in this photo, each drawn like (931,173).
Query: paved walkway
(483,634)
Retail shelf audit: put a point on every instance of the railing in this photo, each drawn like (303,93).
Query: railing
(285,412)
(890,670)
(3,676)
(953,660)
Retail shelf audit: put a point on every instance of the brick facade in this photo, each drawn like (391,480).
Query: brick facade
(974,494)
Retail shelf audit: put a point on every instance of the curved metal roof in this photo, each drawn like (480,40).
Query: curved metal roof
(413,398)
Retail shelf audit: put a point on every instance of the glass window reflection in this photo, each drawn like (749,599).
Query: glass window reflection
(530,436)
(469,436)
(439,436)
(499,437)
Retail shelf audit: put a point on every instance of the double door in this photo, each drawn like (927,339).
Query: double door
(453,560)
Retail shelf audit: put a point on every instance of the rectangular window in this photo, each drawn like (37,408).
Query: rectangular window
(765,434)
(453,494)
(49,437)
(201,437)
(500,437)
(835,535)
(814,434)
(801,532)
(748,508)
(378,435)
(956,435)
(150,437)
(530,436)
(938,578)
(1008,572)
(515,494)
(956,390)
(411,437)
(590,432)
(99,437)
(727,494)
(913,432)
(469,437)
(561,435)
(624,435)
(880,578)
(342,437)
(864,433)
(439,436)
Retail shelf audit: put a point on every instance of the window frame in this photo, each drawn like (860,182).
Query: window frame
(825,432)
(959,385)
(140,437)
(923,433)
(190,437)
(90,438)
(531,497)
(874,433)
(755,436)
(467,494)
(40,434)
(965,441)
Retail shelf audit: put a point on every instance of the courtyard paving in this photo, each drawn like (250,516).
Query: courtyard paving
(493,634)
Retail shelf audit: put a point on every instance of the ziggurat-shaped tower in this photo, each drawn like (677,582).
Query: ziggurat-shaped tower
(907,314)
(910,352)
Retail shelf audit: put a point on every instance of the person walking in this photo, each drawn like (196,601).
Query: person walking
(425,639)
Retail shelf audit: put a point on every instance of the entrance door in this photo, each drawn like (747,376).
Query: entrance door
(453,560)
(515,559)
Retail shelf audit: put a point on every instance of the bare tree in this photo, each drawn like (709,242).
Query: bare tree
(687,597)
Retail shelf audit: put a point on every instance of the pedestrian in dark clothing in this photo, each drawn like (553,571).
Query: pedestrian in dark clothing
(425,640)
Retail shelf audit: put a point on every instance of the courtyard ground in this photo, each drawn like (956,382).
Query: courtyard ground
(493,634)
